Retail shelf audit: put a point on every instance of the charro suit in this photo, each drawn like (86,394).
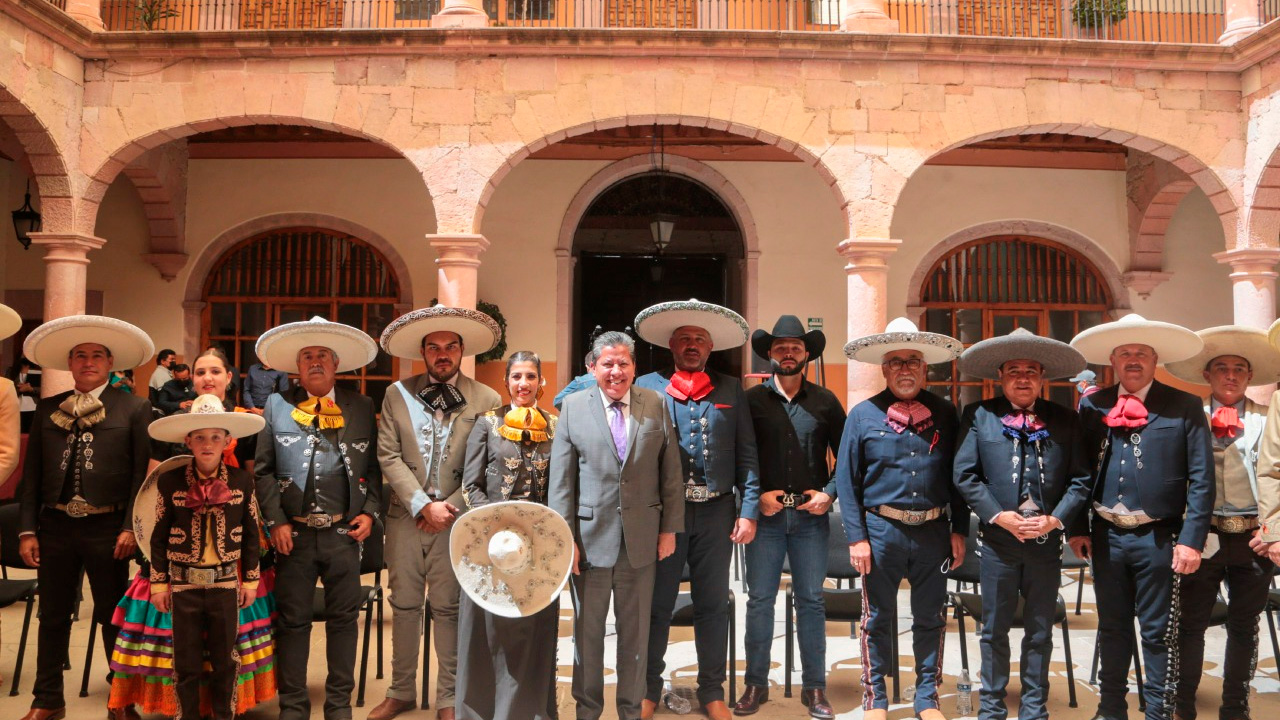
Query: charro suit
(418,561)
(616,509)
(111,458)
(291,460)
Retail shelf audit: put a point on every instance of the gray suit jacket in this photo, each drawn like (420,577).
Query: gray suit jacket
(402,463)
(606,500)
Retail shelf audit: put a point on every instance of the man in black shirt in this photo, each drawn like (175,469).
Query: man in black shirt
(178,393)
(796,422)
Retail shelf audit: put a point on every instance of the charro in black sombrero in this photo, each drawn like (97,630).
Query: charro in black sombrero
(789,326)
(657,323)
(984,359)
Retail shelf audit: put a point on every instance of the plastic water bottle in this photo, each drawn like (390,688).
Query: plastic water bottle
(964,695)
(909,693)
(674,701)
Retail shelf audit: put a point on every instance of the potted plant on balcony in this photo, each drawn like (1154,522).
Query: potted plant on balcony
(1098,14)
(151,12)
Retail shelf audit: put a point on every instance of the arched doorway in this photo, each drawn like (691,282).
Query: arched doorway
(623,265)
(291,274)
(989,287)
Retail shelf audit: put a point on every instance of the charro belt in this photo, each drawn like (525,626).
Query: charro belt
(1126,521)
(1234,524)
(78,508)
(699,493)
(790,500)
(908,517)
(189,575)
(318,520)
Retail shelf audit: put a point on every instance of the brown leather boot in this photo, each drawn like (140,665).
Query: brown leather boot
(389,708)
(752,698)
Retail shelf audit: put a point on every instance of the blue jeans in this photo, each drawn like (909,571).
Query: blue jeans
(802,537)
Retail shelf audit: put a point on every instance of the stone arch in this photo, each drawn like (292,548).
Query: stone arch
(615,173)
(119,158)
(207,259)
(1262,223)
(1146,250)
(44,159)
(1049,231)
(790,146)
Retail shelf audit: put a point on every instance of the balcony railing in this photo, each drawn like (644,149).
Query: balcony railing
(1268,10)
(1184,21)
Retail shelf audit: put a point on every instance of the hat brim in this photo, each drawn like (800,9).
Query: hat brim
(50,345)
(279,347)
(657,324)
(403,337)
(1251,344)
(815,343)
(984,359)
(1171,343)
(144,503)
(530,591)
(175,428)
(935,347)
(10,321)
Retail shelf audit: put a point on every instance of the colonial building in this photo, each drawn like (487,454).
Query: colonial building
(209,168)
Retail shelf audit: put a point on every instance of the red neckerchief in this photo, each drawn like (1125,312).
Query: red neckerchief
(1226,422)
(689,386)
(1128,413)
(203,492)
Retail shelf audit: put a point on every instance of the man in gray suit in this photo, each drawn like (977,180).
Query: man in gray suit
(422,444)
(615,476)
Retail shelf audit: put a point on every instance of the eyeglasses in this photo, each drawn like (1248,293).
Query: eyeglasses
(897,364)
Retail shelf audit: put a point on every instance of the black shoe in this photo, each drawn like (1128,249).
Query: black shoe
(816,700)
(752,698)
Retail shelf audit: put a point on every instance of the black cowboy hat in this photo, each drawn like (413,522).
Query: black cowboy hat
(788,326)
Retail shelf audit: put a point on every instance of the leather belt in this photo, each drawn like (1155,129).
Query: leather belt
(791,500)
(1124,522)
(699,493)
(318,521)
(80,508)
(908,517)
(1234,524)
(188,575)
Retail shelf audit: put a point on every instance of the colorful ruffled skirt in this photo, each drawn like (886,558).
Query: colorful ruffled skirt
(142,661)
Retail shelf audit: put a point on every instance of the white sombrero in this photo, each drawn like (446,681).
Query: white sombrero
(278,347)
(983,359)
(1171,342)
(512,558)
(207,411)
(144,504)
(50,344)
(727,328)
(403,337)
(902,334)
(10,321)
(1249,343)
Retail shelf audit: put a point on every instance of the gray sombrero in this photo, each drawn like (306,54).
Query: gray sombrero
(984,359)
(207,411)
(50,344)
(902,334)
(727,328)
(512,558)
(279,346)
(1249,343)
(1171,342)
(145,502)
(403,337)
(10,321)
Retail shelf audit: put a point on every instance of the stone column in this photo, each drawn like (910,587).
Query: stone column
(66,270)
(867,265)
(89,14)
(460,13)
(868,16)
(457,278)
(1253,290)
(567,366)
(1242,20)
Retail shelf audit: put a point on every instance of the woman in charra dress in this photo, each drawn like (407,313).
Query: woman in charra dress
(507,666)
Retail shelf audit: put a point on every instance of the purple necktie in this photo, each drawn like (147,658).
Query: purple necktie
(618,427)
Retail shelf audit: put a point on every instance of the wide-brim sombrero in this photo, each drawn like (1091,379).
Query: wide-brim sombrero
(403,337)
(1170,342)
(656,324)
(548,543)
(1249,343)
(902,334)
(10,321)
(207,411)
(279,346)
(984,359)
(145,503)
(49,345)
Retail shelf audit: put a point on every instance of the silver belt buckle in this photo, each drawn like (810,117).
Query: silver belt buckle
(695,493)
(319,521)
(915,517)
(1125,522)
(1232,524)
(202,576)
(78,508)
(789,500)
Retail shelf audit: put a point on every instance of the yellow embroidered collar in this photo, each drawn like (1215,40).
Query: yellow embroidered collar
(521,423)
(328,412)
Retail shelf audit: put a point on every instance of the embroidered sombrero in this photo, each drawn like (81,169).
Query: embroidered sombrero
(983,359)
(1249,343)
(10,321)
(144,504)
(403,337)
(207,411)
(1171,342)
(279,346)
(727,328)
(902,334)
(512,558)
(50,344)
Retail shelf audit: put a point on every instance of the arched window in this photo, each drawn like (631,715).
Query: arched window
(989,287)
(294,274)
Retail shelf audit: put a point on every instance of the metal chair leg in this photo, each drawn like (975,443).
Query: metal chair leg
(380,603)
(364,653)
(789,663)
(88,659)
(733,650)
(1097,652)
(1079,590)
(426,654)
(1071,674)
(897,692)
(1137,671)
(22,647)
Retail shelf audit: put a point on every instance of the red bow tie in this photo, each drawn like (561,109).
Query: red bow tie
(202,494)
(689,386)
(1226,422)
(1129,412)
(908,413)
